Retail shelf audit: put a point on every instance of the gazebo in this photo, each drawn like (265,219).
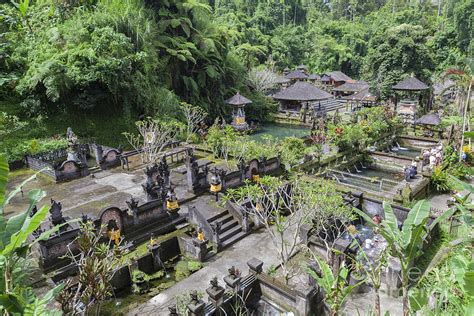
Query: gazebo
(300,96)
(238,102)
(296,75)
(337,78)
(350,87)
(431,122)
(302,68)
(361,98)
(410,86)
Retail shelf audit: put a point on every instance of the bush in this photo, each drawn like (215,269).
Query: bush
(16,150)
(439,180)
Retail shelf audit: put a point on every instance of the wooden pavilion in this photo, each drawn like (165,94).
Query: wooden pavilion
(363,98)
(335,78)
(350,87)
(296,75)
(300,96)
(412,88)
(431,123)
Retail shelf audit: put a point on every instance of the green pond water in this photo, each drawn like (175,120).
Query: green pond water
(279,131)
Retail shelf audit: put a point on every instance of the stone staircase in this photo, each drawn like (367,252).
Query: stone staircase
(94,169)
(231,230)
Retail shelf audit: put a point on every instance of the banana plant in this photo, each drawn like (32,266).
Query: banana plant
(334,284)
(406,244)
(15,297)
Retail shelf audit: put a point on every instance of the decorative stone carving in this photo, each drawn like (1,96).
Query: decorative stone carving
(56,215)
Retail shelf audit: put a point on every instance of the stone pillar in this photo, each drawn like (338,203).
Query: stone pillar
(216,295)
(155,251)
(245,220)
(393,277)
(342,246)
(196,306)
(232,280)
(305,233)
(98,154)
(216,229)
(200,249)
(255,266)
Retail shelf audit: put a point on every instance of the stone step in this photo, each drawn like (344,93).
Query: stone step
(226,219)
(230,233)
(94,169)
(233,239)
(215,217)
(229,225)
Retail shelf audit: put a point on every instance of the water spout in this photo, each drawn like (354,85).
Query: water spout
(400,148)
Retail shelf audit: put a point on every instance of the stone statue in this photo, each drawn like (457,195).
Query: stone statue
(132,205)
(71,137)
(194,297)
(56,213)
(214,283)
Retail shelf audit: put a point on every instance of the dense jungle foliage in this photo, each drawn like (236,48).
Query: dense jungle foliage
(99,65)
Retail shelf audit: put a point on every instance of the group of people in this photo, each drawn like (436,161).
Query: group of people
(433,157)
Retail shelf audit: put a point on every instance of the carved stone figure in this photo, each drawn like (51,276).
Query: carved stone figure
(56,213)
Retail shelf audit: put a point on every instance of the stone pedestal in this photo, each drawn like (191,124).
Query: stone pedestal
(216,296)
(196,308)
(393,278)
(255,266)
(198,250)
(232,282)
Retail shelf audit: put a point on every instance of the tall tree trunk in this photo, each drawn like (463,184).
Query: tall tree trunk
(377,301)
(406,306)
(466,106)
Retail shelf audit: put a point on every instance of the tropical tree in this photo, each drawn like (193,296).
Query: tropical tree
(16,296)
(284,207)
(194,116)
(152,138)
(406,244)
(97,262)
(334,284)
(463,81)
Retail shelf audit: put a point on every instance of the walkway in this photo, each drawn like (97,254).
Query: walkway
(257,244)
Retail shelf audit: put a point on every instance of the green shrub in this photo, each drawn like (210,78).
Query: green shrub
(439,180)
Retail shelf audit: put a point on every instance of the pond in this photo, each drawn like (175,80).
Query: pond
(279,131)
(408,151)
(371,178)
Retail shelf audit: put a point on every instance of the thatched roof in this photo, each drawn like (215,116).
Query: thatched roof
(339,76)
(364,96)
(238,100)
(282,80)
(302,91)
(429,119)
(325,78)
(301,67)
(410,84)
(296,74)
(314,77)
(352,86)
